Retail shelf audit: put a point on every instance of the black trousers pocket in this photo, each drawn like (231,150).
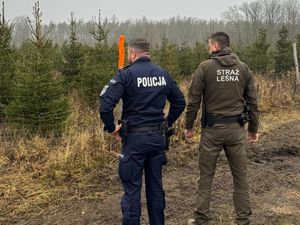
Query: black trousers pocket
(125,168)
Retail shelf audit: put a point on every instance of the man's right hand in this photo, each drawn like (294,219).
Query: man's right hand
(252,137)
(116,133)
(188,133)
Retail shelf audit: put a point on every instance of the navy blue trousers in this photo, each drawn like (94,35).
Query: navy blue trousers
(143,151)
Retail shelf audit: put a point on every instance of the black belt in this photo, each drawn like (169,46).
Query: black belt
(144,129)
(227,120)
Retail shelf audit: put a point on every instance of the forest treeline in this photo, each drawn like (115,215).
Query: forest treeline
(242,22)
(38,76)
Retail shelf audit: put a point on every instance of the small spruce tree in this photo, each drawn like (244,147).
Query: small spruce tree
(185,59)
(200,53)
(257,56)
(100,65)
(168,58)
(298,46)
(6,64)
(72,56)
(40,105)
(284,55)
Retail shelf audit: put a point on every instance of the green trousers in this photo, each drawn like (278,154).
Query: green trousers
(230,138)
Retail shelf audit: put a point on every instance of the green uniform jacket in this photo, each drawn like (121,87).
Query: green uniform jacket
(225,84)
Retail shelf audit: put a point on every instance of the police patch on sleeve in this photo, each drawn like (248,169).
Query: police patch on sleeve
(112,81)
(104,90)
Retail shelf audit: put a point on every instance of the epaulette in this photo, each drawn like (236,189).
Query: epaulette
(125,67)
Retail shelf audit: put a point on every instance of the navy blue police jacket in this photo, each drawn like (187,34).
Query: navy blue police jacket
(144,88)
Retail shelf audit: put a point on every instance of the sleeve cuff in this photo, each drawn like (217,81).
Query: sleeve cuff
(169,121)
(188,126)
(110,128)
(252,129)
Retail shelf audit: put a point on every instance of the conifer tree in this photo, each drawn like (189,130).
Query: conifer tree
(185,59)
(298,46)
(200,53)
(100,65)
(6,64)
(257,56)
(168,58)
(284,55)
(73,56)
(99,30)
(40,105)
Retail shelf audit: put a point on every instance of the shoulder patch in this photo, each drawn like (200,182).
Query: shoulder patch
(104,90)
(112,81)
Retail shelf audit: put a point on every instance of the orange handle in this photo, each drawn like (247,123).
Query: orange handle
(121,51)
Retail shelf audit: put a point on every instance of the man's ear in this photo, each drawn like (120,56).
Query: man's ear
(134,54)
(217,46)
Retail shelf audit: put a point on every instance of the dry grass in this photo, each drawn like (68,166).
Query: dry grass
(276,93)
(279,102)
(36,172)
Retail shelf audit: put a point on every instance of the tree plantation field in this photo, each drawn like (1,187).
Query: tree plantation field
(57,166)
(73,179)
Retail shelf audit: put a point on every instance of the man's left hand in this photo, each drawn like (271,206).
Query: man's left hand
(188,133)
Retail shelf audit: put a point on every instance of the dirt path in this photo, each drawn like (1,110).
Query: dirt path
(274,172)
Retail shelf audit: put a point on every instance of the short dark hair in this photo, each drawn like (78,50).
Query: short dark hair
(140,44)
(221,38)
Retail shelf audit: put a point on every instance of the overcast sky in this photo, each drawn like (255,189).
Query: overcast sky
(59,10)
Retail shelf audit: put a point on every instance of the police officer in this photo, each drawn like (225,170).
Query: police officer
(226,88)
(144,89)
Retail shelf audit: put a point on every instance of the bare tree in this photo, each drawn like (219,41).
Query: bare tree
(2,16)
(235,16)
(291,10)
(254,15)
(272,12)
(21,31)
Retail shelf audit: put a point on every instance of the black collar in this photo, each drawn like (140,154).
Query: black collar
(144,58)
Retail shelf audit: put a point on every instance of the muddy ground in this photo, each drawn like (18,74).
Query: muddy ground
(274,173)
